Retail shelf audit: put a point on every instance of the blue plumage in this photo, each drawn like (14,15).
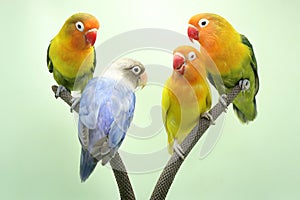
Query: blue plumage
(106,111)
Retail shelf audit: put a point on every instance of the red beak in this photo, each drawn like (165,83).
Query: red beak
(91,36)
(193,33)
(178,64)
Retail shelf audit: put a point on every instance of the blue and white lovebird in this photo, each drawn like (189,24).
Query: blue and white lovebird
(106,111)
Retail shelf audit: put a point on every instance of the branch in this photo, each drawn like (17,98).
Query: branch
(167,176)
(118,167)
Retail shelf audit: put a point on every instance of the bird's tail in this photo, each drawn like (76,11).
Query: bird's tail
(87,164)
(245,111)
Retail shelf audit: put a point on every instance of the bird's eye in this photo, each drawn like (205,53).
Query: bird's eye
(203,22)
(191,56)
(79,25)
(136,70)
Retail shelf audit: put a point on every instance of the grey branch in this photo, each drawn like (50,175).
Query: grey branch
(167,176)
(118,167)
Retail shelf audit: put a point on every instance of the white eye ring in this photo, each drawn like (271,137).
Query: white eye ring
(79,25)
(203,22)
(136,70)
(192,56)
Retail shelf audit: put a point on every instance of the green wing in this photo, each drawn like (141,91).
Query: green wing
(49,62)
(165,104)
(94,63)
(253,61)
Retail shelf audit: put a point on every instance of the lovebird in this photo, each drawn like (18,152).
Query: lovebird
(71,54)
(234,58)
(106,111)
(186,96)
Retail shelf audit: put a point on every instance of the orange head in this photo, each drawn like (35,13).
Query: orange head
(80,31)
(188,62)
(210,30)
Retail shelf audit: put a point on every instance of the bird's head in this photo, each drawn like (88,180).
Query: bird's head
(208,29)
(81,30)
(129,71)
(188,62)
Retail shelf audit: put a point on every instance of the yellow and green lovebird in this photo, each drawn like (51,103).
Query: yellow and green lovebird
(186,96)
(234,58)
(71,54)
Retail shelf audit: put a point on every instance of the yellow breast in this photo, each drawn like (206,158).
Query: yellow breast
(70,62)
(188,102)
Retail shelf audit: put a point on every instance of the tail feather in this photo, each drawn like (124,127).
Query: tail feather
(87,165)
(246,113)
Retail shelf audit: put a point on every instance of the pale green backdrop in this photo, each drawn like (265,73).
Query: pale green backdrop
(39,147)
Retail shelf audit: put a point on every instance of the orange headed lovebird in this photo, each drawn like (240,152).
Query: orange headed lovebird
(71,54)
(186,96)
(234,58)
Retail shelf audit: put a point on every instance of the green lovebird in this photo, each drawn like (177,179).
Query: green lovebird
(234,58)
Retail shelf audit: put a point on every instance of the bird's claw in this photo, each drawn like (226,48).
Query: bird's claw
(178,149)
(209,117)
(244,84)
(60,89)
(223,101)
(75,101)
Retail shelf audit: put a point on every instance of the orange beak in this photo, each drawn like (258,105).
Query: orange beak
(91,36)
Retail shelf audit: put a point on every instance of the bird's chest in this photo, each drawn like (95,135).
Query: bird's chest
(185,96)
(71,63)
(230,66)
(186,108)
(228,59)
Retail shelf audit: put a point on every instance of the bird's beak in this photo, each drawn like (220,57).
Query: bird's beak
(143,80)
(91,36)
(179,63)
(193,33)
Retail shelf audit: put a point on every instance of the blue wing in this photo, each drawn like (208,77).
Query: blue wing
(122,109)
(92,98)
(106,111)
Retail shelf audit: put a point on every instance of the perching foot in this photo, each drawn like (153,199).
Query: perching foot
(60,89)
(75,101)
(244,84)
(209,117)
(178,149)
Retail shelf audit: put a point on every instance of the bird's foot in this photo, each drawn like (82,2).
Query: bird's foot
(60,89)
(178,149)
(209,117)
(107,158)
(223,101)
(244,84)
(75,101)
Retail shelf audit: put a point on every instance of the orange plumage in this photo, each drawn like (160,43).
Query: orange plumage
(234,60)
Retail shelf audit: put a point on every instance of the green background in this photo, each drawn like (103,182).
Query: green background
(39,146)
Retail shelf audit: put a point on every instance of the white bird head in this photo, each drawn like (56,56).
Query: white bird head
(129,71)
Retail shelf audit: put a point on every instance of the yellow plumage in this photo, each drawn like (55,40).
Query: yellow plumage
(71,55)
(186,95)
